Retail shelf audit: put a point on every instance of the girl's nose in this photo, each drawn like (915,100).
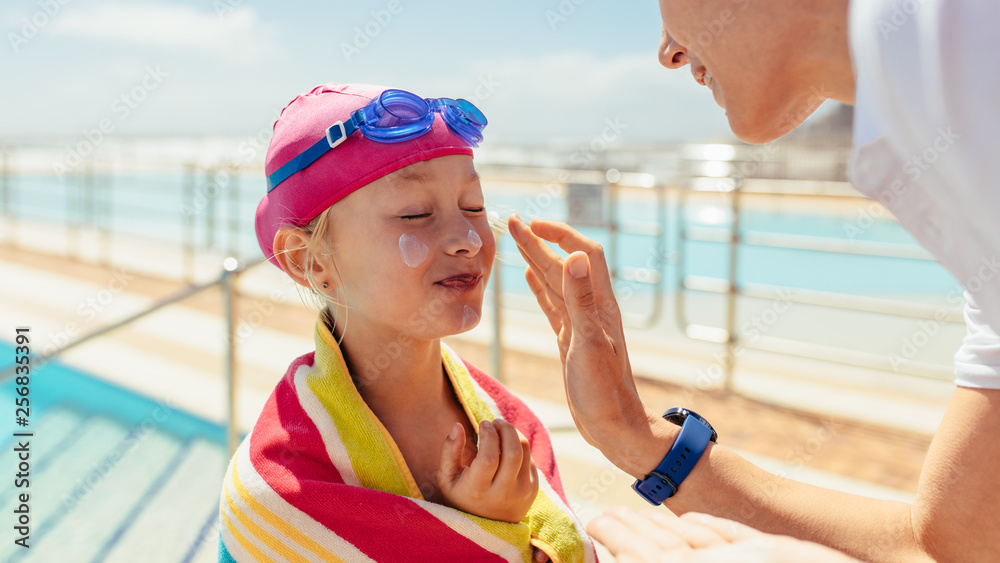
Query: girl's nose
(463,239)
(672,55)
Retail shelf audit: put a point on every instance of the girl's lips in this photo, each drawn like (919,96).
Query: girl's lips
(462,282)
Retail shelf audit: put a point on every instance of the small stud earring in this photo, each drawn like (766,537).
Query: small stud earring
(324,285)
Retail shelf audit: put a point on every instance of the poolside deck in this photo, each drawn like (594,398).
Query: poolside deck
(176,355)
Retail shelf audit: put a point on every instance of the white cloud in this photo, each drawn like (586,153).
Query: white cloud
(571,95)
(237,35)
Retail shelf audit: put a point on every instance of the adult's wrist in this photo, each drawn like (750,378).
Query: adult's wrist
(639,446)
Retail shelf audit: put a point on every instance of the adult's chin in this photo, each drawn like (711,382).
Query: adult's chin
(758,130)
(765,123)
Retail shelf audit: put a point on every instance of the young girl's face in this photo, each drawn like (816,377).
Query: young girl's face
(413,250)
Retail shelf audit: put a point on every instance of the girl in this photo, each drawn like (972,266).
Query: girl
(383,444)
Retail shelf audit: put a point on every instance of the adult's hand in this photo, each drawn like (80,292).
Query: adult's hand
(576,296)
(652,536)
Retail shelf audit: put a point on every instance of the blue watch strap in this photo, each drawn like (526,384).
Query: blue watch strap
(662,483)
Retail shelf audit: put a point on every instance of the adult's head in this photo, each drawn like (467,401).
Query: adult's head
(769,63)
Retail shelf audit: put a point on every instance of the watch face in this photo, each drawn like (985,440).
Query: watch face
(677,415)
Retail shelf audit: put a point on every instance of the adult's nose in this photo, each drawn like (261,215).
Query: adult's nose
(672,54)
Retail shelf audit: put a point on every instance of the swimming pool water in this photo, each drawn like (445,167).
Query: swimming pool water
(114,476)
(156,205)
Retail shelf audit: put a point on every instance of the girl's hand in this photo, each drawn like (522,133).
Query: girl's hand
(500,483)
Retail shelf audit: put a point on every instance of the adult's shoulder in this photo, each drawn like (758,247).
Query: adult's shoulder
(926,64)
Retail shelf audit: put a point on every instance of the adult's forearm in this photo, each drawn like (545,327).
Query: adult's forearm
(726,485)
(731,487)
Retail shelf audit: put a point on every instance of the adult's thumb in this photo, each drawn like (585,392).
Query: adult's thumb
(578,293)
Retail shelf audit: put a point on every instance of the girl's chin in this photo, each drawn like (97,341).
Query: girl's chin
(470,318)
(454,319)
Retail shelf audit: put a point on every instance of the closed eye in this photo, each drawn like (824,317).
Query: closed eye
(476,209)
(412,217)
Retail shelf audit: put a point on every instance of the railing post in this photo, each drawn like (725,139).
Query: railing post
(230,270)
(733,294)
(611,178)
(232,238)
(680,315)
(209,212)
(7,237)
(187,218)
(662,260)
(496,350)
(73,213)
(106,213)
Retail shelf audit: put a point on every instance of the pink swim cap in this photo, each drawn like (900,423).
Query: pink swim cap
(354,163)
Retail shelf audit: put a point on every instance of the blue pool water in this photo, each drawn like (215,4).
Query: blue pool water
(110,476)
(55,385)
(156,205)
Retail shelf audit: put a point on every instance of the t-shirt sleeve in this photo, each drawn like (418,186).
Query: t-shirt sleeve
(969,97)
(928,79)
(977,362)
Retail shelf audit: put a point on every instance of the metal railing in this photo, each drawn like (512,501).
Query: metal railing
(88,194)
(733,290)
(226,281)
(608,186)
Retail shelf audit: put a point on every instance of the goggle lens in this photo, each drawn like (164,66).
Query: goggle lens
(397,106)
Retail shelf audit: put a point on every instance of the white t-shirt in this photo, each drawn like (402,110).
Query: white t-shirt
(927,145)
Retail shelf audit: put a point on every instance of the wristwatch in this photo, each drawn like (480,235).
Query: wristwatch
(663,482)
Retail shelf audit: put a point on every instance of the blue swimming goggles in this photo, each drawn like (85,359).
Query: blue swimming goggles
(393,117)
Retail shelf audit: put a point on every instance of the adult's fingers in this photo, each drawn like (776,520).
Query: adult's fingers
(545,298)
(510,452)
(546,263)
(694,533)
(524,232)
(630,542)
(581,303)
(571,240)
(658,523)
(727,529)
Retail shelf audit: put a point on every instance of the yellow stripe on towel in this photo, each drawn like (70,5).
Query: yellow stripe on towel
(257,554)
(279,524)
(373,459)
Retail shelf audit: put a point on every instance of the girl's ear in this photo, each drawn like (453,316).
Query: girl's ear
(290,245)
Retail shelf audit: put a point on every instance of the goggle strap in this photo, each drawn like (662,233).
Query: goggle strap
(341,133)
(308,156)
(469,129)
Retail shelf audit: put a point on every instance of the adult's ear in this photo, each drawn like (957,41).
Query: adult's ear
(290,245)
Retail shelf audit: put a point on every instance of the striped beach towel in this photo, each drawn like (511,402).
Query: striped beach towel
(320,479)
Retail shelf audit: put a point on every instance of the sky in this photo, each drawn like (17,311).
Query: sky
(541,70)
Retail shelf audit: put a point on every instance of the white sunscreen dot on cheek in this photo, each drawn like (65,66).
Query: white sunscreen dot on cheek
(469,318)
(474,239)
(414,252)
